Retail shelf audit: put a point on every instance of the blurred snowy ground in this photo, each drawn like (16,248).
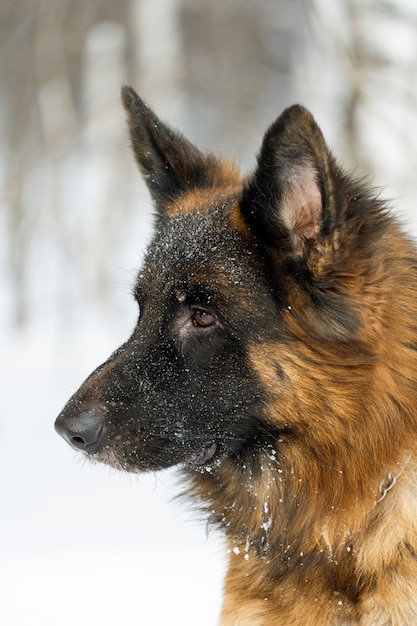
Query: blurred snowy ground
(81,543)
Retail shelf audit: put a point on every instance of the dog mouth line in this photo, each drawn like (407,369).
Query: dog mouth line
(204,454)
(197,458)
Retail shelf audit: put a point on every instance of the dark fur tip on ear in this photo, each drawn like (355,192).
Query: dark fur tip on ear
(166,159)
(287,201)
(133,104)
(129,97)
(170,164)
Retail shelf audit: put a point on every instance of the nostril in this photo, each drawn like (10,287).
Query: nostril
(79,441)
(82,442)
(83,431)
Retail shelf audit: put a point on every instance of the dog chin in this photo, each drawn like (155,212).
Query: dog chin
(203,459)
(118,462)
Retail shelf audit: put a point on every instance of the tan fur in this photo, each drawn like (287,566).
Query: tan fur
(359,507)
(226,182)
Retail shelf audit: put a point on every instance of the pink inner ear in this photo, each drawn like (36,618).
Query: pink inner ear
(301,208)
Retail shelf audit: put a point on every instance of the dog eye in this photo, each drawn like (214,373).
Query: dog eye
(202,319)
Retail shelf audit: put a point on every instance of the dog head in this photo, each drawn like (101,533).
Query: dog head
(235,266)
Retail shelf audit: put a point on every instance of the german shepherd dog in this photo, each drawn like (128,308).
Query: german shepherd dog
(275,361)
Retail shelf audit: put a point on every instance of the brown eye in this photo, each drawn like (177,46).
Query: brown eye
(202,318)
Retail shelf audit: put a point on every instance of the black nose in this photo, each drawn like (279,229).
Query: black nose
(83,431)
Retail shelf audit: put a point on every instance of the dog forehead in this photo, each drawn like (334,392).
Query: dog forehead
(190,238)
(198,247)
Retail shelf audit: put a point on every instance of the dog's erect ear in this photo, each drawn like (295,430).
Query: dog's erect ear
(170,164)
(288,201)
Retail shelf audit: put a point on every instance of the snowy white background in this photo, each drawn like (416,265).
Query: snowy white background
(79,543)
